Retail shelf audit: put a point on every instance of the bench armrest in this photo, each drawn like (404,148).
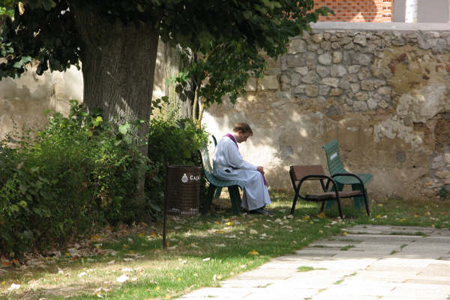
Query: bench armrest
(318,177)
(350,175)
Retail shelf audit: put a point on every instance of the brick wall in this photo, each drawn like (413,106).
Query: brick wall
(376,11)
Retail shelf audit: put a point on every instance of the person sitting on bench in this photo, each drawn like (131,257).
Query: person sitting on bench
(229,165)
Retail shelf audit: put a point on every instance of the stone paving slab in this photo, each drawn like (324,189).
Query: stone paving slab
(385,262)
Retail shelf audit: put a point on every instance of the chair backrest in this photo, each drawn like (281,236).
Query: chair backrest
(204,151)
(298,172)
(334,158)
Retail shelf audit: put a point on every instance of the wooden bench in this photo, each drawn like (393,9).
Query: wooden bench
(337,170)
(329,192)
(217,184)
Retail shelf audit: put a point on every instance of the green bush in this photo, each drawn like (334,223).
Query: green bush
(170,142)
(76,173)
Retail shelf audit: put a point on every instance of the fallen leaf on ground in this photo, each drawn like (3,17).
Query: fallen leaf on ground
(122,278)
(14,287)
(322,215)
(253,252)
(253,231)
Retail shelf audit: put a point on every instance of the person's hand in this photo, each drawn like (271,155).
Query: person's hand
(260,169)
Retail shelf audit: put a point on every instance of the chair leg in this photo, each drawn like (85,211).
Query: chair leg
(235,199)
(322,206)
(209,198)
(359,201)
(218,192)
(339,207)
(294,202)
(366,202)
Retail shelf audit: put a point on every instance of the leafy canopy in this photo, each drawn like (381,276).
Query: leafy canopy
(45,30)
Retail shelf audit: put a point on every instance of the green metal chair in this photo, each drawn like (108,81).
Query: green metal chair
(217,184)
(338,172)
(329,191)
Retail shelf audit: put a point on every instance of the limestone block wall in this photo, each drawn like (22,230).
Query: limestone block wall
(381,90)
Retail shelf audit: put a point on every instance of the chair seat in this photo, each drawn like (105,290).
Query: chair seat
(332,195)
(222,183)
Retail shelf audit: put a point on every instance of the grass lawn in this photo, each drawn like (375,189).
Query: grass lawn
(202,251)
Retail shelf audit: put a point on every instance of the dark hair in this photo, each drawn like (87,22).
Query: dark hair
(242,126)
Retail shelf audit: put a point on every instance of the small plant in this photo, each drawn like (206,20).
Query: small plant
(305,269)
(444,193)
(345,248)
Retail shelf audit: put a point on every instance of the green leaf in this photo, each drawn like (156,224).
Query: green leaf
(123,129)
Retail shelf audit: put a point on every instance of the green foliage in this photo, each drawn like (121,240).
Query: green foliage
(77,172)
(46,29)
(170,142)
(444,193)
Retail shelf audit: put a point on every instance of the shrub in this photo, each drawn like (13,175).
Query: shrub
(171,142)
(77,172)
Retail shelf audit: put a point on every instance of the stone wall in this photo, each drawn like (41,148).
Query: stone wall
(23,101)
(381,90)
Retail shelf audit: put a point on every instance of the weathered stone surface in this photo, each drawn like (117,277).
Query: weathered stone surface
(401,156)
(284,79)
(300,89)
(335,92)
(334,82)
(268,83)
(310,60)
(325,59)
(312,90)
(360,39)
(297,46)
(295,79)
(360,106)
(324,90)
(362,96)
(371,84)
(355,87)
(338,71)
(297,60)
(301,70)
(424,103)
(323,71)
(311,77)
(317,38)
(325,45)
(337,57)
(362,59)
(251,85)
(372,104)
(354,69)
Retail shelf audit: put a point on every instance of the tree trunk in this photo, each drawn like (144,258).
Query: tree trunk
(118,64)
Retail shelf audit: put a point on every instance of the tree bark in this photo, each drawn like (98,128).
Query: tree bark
(118,64)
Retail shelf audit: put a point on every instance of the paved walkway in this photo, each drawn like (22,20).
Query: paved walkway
(370,262)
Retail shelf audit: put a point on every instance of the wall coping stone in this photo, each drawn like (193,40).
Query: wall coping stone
(381,26)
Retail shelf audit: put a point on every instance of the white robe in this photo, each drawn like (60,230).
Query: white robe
(229,165)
